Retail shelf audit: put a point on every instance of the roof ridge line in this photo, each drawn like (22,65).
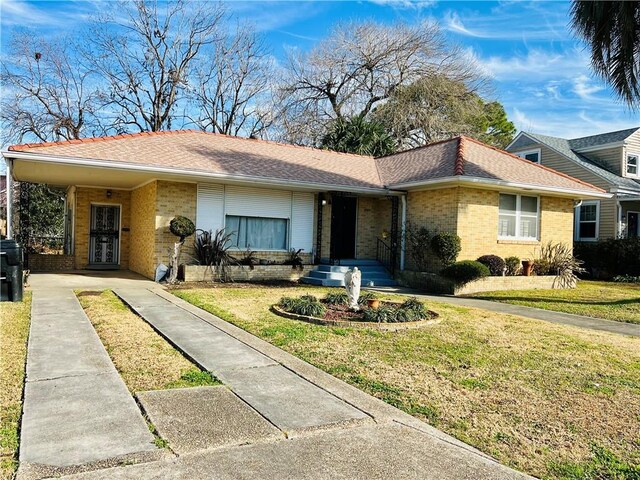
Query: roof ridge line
(543,167)
(458,169)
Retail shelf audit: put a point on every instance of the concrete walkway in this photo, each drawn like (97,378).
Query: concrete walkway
(622,328)
(77,410)
(289,402)
(333,430)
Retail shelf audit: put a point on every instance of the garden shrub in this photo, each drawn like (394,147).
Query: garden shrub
(365,297)
(557,259)
(608,258)
(494,263)
(465,271)
(446,246)
(626,279)
(287,303)
(513,266)
(336,298)
(418,242)
(416,306)
(383,314)
(307,305)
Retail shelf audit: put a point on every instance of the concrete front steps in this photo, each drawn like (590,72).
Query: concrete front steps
(333,275)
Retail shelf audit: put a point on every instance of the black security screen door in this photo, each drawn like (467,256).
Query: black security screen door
(343,227)
(104,235)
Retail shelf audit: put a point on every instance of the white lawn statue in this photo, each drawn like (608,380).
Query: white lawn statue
(352,282)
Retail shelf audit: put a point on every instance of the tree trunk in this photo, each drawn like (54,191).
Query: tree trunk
(175,258)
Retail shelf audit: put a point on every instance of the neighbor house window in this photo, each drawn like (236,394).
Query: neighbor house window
(518,217)
(258,233)
(531,155)
(587,216)
(632,165)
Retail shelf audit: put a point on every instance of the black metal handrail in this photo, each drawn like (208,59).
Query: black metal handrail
(384,255)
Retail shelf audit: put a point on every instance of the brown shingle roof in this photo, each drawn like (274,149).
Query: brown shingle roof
(198,151)
(467,157)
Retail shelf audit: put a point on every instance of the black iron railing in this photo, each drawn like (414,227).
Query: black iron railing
(385,255)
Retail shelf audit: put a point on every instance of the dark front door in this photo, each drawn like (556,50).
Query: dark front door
(632,219)
(343,227)
(104,235)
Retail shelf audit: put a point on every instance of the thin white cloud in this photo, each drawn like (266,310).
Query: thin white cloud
(405,4)
(585,87)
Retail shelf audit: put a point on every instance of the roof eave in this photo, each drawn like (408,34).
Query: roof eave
(501,184)
(204,176)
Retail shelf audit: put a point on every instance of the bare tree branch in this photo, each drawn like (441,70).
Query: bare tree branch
(47,94)
(147,60)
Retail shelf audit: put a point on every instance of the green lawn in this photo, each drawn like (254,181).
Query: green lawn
(14,331)
(553,401)
(613,301)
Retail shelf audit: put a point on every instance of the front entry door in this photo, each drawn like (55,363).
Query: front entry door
(343,227)
(104,235)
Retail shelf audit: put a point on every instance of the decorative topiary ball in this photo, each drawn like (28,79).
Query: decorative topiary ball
(182,227)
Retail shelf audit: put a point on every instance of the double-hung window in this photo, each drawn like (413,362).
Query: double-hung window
(633,165)
(258,233)
(587,220)
(518,217)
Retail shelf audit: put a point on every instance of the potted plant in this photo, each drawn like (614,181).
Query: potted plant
(527,267)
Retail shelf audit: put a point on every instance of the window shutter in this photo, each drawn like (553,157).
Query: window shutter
(210,207)
(302,221)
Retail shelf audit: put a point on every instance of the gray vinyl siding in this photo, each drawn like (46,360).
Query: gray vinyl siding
(632,146)
(550,158)
(610,158)
(608,218)
(523,143)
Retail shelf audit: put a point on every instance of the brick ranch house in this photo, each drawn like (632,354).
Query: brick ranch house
(122,192)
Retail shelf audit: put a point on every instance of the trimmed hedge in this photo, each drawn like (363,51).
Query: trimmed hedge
(609,258)
(494,263)
(465,271)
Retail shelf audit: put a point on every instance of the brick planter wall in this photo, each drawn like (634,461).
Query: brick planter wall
(433,283)
(200,273)
(39,262)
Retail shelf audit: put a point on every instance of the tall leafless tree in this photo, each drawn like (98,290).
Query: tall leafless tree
(231,89)
(47,93)
(147,58)
(360,65)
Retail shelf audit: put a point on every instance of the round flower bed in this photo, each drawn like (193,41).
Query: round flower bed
(334,310)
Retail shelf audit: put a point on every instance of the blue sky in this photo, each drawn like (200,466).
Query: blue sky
(540,71)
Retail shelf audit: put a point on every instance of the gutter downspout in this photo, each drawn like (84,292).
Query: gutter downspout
(619,222)
(403,230)
(9,198)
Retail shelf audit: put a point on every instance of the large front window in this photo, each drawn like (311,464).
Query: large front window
(518,217)
(587,221)
(258,233)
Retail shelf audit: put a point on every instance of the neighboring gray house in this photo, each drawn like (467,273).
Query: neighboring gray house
(610,161)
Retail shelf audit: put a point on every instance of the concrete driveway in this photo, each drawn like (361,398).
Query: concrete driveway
(315,426)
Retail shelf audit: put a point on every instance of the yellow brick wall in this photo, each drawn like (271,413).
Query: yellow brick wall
(478,225)
(84,198)
(437,210)
(374,216)
(143,230)
(473,215)
(173,199)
